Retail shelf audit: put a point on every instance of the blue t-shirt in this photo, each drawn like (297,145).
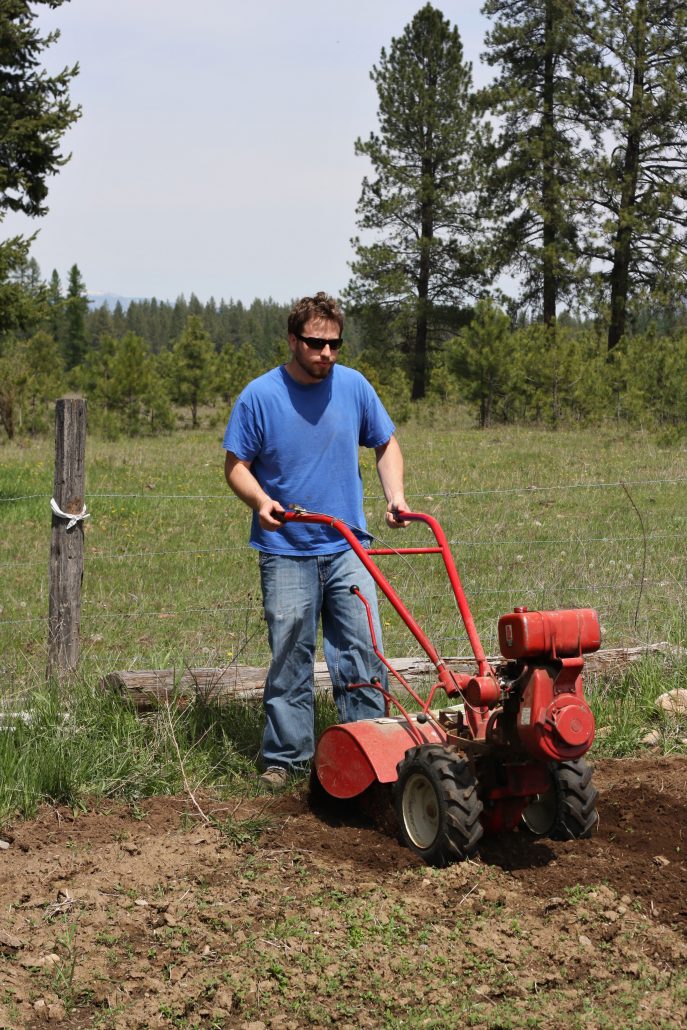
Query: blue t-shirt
(302,443)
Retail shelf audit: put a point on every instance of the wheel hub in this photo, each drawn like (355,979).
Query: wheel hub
(421,813)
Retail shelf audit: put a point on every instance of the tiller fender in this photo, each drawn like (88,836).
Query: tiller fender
(352,755)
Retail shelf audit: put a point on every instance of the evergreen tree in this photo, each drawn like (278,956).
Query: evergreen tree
(134,389)
(125,389)
(237,367)
(75,312)
(119,326)
(45,381)
(481,360)
(14,376)
(639,205)
(98,325)
(55,308)
(28,275)
(35,112)
(194,367)
(547,100)
(420,201)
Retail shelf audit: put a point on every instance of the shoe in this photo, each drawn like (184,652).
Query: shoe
(274,777)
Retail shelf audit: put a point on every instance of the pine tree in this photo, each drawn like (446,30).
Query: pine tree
(639,204)
(481,359)
(75,342)
(46,379)
(35,112)
(547,100)
(194,368)
(419,204)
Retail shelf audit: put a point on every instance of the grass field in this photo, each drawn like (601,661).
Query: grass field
(589,518)
(534,518)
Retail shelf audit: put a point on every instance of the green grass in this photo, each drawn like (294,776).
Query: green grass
(534,517)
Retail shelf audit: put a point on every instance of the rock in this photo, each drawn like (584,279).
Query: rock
(41,961)
(553,903)
(673,702)
(224,998)
(652,738)
(8,940)
(53,1013)
(661,860)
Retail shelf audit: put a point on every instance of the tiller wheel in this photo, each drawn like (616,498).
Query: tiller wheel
(507,749)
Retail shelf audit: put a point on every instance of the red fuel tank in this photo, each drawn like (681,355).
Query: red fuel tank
(561,634)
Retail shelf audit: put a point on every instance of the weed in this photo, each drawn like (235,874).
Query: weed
(578,892)
(240,832)
(63,973)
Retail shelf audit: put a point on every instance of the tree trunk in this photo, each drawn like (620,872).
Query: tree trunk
(7,414)
(622,242)
(550,284)
(421,319)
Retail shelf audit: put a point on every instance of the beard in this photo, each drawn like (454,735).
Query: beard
(314,368)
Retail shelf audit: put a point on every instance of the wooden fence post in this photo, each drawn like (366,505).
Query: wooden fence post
(66,542)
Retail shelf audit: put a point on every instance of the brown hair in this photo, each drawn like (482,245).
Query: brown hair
(320,306)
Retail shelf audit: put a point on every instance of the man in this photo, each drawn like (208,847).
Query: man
(293,439)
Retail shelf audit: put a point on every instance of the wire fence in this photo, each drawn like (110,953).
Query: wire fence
(169,577)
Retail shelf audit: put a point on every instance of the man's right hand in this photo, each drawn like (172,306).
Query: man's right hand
(271,515)
(246,487)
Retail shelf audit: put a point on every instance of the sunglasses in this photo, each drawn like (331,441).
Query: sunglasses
(316,343)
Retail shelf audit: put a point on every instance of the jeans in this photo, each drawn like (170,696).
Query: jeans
(297,592)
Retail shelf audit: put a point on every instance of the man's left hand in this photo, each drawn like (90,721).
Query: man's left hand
(391,514)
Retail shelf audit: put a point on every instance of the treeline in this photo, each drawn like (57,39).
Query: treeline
(134,365)
(145,367)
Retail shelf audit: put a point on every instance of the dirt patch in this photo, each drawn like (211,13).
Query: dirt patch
(146,917)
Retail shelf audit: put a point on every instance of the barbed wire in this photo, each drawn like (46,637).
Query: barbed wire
(427,494)
(92,614)
(92,555)
(89,614)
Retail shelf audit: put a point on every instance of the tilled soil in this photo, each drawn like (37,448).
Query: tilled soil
(274,916)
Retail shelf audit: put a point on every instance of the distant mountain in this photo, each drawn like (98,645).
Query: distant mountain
(110,300)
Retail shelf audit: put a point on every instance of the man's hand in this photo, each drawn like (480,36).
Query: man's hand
(392,509)
(246,487)
(271,515)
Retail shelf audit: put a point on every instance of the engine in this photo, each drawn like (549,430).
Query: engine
(544,688)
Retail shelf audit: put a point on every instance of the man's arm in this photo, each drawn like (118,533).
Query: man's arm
(390,471)
(246,487)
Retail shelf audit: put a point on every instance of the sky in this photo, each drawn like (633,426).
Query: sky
(215,153)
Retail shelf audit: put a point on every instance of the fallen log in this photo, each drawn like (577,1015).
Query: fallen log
(147,689)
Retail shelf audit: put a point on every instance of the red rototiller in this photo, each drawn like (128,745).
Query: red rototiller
(505,752)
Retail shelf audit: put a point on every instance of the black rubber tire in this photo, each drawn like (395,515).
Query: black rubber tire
(568,809)
(437,806)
